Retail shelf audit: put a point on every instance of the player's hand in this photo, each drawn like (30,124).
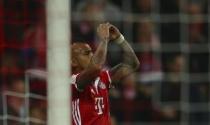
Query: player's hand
(114,32)
(103,31)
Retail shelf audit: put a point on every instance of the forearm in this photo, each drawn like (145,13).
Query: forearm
(129,64)
(94,67)
(99,56)
(129,56)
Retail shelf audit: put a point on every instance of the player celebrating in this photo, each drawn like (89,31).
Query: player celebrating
(90,104)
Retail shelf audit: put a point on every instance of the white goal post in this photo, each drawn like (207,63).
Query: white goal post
(58,58)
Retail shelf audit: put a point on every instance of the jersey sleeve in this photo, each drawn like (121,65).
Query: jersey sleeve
(73,80)
(106,78)
(75,91)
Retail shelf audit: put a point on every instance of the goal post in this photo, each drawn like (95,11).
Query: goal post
(58,58)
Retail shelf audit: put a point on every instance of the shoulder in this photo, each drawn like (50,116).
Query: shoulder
(105,74)
(73,78)
(105,77)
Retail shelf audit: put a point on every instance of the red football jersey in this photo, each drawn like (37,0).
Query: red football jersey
(91,106)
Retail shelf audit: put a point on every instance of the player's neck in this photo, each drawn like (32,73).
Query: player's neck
(76,70)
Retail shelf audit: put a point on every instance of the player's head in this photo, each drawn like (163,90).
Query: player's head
(81,55)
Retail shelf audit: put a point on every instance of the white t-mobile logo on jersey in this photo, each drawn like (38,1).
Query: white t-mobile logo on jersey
(99,105)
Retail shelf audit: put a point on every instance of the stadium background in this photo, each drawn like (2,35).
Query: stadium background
(170,38)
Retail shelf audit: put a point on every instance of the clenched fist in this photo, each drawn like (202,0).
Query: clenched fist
(114,32)
(103,31)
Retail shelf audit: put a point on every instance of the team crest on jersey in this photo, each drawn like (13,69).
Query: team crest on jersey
(102,85)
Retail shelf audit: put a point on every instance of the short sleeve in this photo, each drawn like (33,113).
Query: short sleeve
(106,78)
(73,80)
(75,91)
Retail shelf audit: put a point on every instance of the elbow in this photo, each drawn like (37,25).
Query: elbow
(96,66)
(95,69)
(136,65)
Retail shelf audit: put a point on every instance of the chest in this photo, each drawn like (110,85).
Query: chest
(95,90)
(95,97)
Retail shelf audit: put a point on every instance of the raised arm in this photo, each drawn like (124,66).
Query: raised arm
(130,62)
(98,59)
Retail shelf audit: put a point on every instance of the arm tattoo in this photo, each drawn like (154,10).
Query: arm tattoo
(99,57)
(129,57)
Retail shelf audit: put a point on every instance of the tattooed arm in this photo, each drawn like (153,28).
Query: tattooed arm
(130,62)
